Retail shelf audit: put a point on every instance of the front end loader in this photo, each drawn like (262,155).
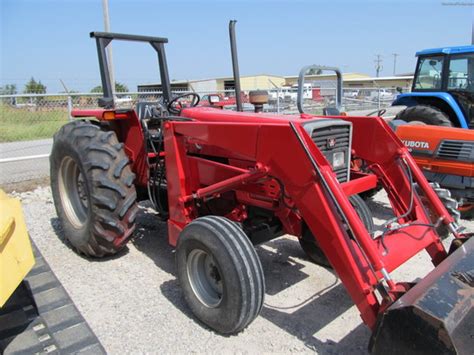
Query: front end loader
(225,181)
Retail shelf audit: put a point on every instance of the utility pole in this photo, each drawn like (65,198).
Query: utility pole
(395,55)
(378,64)
(472,34)
(105,7)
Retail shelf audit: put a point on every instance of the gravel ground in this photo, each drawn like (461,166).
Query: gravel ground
(134,304)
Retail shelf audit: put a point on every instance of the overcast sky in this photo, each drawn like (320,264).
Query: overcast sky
(49,39)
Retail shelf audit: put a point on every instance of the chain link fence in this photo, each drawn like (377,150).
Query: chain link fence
(28,122)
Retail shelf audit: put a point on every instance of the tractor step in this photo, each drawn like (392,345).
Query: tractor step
(436,316)
(40,317)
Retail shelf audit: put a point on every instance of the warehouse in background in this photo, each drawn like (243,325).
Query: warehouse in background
(250,82)
(268,82)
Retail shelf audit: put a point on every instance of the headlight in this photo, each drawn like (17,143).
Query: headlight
(338,160)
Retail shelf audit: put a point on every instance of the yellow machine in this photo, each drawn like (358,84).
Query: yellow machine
(16,255)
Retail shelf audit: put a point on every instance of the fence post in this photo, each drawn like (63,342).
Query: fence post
(378,99)
(69,107)
(278,100)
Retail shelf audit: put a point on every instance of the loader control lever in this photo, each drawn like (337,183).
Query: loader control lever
(177,104)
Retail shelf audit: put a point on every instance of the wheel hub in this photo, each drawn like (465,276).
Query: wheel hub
(204,277)
(73,192)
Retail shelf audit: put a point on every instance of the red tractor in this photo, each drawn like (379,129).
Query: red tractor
(225,181)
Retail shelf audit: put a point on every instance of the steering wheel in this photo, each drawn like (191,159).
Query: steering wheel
(175,106)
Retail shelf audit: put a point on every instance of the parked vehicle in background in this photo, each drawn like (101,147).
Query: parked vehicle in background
(352,94)
(443,88)
(124,100)
(382,95)
(290,93)
(307,91)
(221,100)
(285,93)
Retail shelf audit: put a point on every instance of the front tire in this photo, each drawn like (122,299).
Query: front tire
(311,247)
(220,274)
(93,190)
(426,114)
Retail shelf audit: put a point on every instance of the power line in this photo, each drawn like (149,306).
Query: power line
(395,55)
(378,64)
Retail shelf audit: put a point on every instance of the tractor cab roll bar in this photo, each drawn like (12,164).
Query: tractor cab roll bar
(103,39)
(318,68)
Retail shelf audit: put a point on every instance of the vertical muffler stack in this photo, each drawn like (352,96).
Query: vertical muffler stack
(436,316)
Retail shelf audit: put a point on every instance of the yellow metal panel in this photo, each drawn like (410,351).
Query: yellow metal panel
(16,255)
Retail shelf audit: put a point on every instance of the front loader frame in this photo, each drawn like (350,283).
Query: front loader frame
(314,196)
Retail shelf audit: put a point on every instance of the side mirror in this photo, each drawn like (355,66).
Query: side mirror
(214,99)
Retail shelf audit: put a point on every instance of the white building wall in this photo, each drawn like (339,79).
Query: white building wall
(204,85)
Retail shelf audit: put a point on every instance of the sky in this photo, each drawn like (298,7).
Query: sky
(49,39)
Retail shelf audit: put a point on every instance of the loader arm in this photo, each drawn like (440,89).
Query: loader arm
(201,160)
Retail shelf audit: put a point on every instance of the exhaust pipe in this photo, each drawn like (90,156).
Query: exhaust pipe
(235,64)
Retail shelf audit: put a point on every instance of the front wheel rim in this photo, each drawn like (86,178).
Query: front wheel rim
(205,278)
(73,192)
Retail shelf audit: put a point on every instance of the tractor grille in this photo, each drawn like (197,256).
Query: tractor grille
(335,138)
(456,150)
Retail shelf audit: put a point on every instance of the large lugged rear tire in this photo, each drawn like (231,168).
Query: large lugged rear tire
(220,274)
(92,186)
(423,113)
(310,245)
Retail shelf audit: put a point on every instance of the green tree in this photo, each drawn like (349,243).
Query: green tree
(119,87)
(34,87)
(97,89)
(9,89)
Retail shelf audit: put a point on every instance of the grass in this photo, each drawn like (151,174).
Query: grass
(29,123)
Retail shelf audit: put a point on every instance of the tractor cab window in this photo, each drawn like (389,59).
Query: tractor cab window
(429,73)
(461,73)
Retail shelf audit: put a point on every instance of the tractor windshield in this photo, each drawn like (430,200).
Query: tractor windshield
(429,73)
(461,73)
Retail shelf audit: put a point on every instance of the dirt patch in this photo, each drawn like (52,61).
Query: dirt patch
(24,186)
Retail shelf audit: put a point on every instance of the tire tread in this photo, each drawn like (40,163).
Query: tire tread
(110,181)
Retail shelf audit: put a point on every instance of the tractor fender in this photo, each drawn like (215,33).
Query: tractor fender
(415,98)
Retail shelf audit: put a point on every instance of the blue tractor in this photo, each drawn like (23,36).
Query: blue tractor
(443,88)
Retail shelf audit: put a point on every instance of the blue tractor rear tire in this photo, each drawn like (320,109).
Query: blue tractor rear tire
(429,115)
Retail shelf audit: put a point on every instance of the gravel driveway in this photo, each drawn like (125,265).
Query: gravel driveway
(134,304)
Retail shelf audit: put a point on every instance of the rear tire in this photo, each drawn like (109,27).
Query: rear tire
(310,245)
(220,274)
(93,190)
(426,114)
